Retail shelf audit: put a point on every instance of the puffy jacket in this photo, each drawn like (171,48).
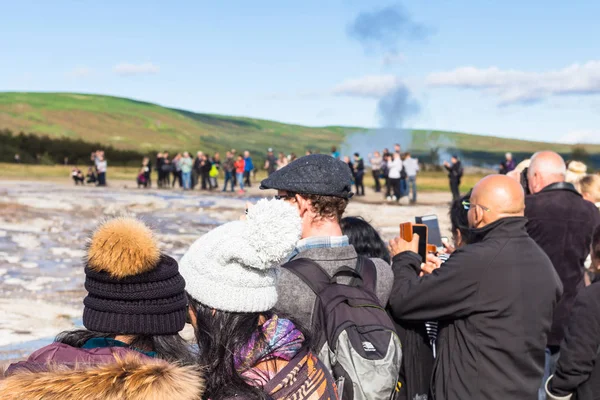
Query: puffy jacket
(59,371)
(562,222)
(494,301)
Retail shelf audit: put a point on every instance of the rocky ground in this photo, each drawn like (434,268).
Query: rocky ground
(44,226)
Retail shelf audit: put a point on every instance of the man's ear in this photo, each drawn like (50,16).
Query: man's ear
(478,215)
(303,205)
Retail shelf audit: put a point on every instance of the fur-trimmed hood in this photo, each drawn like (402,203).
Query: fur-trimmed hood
(128,378)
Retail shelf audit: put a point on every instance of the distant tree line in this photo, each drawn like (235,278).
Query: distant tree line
(35,149)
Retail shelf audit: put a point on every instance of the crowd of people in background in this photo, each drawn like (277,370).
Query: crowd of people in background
(202,171)
(96,173)
(393,173)
(298,300)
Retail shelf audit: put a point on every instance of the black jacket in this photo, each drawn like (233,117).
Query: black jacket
(562,223)
(197,166)
(455,171)
(205,167)
(578,369)
(360,166)
(494,301)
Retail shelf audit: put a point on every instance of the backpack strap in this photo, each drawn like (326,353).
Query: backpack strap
(311,273)
(368,272)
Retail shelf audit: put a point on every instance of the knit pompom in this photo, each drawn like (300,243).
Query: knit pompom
(123,247)
(273,228)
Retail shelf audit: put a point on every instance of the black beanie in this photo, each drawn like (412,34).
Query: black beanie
(133,289)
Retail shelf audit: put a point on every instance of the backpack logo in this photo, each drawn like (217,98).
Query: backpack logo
(368,346)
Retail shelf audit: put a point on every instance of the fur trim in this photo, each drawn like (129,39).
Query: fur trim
(129,378)
(123,247)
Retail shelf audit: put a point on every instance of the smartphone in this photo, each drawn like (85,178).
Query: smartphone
(421,230)
(433,225)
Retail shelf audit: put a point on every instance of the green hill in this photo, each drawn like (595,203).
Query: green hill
(141,126)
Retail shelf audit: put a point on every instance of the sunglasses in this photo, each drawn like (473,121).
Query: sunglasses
(467,205)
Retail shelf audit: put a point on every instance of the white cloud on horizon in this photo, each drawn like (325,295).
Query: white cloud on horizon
(127,69)
(80,72)
(371,86)
(581,137)
(519,87)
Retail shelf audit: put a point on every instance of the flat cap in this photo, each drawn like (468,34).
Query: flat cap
(313,174)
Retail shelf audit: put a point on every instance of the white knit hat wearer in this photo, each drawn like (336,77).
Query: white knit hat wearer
(234,267)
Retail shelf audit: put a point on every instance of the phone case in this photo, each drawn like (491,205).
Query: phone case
(406,231)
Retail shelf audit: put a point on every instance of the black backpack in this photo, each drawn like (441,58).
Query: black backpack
(356,338)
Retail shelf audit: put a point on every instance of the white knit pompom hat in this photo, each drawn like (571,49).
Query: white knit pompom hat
(234,267)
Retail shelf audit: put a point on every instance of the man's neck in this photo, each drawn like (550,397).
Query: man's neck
(551,181)
(323,228)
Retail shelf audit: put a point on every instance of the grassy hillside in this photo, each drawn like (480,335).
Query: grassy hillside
(136,125)
(131,124)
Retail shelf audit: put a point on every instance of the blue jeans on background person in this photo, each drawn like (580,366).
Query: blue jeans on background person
(403,188)
(101,178)
(412,183)
(228,178)
(187,180)
(549,369)
(240,179)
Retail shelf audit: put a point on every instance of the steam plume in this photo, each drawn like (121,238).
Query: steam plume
(383,29)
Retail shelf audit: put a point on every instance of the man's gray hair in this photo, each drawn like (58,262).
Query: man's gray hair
(544,166)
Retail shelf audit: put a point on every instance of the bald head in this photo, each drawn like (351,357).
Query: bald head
(495,197)
(546,168)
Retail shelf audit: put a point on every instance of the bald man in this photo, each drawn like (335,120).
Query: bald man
(494,300)
(562,223)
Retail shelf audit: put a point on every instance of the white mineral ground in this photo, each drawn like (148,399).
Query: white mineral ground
(44,226)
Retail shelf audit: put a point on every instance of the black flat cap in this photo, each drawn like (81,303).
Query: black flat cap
(314,174)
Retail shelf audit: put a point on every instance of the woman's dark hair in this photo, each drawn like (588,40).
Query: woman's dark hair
(364,238)
(459,222)
(168,347)
(220,336)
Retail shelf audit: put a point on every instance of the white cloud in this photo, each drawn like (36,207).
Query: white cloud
(581,136)
(513,86)
(80,72)
(136,69)
(372,86)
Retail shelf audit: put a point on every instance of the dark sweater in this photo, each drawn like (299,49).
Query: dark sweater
(562,222)
(494,301)
(578,369)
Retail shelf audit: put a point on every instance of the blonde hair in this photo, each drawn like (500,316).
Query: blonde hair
(590,185)
(576,170)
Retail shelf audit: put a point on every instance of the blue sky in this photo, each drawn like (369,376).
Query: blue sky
(509,68)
